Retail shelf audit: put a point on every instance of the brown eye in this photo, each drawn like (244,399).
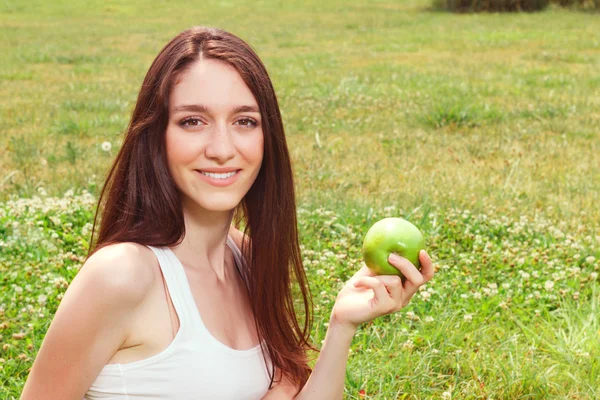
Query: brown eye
(247,122)
(191,121)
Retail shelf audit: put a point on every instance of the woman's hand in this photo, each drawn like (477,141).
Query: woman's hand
(364,297)
(367,296)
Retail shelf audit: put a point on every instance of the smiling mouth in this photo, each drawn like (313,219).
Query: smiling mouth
(215,175)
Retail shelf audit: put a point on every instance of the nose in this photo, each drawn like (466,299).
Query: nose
(220,147)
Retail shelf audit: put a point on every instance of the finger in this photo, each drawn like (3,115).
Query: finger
(427,269)
(393,285)
(376,285)
(426,273)
(407,269)
(364,271)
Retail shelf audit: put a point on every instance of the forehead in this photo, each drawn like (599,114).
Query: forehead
(213,83)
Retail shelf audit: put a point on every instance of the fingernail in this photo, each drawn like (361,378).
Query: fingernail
(394,257)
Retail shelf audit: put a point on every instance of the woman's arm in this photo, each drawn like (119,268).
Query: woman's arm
(90,324)
(329,373)
(363,298)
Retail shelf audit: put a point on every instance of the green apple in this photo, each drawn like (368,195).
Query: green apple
(392,235)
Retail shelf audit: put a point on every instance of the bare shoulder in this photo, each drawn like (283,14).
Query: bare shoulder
(93,318)
(125,269)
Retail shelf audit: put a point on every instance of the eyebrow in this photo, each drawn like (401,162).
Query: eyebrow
(200,108)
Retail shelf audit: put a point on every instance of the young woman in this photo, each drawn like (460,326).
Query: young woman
(175,302)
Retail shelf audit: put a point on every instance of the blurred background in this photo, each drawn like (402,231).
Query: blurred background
(477,120)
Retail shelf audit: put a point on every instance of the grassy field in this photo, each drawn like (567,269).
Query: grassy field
(481,129)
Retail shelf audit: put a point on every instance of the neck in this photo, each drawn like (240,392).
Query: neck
(205,239)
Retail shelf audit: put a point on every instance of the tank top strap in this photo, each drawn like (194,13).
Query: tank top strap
(240,261)
(177,285)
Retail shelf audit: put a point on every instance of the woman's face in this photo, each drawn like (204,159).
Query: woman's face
(214,136)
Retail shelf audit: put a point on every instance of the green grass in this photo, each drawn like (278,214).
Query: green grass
(481,129)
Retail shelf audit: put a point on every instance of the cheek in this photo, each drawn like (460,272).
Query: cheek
(254,149)
(178,150)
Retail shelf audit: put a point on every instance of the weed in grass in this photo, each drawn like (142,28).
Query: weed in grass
(71,153)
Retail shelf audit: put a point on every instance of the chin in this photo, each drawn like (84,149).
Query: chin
(216,203)
(221,207)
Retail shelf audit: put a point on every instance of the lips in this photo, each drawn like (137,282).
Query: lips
(219,176)
(216,175)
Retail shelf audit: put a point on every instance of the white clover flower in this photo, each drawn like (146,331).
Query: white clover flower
(468,317)
(86,229)
(106,146)
(42,298)
(594,275)
(446,396)
(429,318)
(590,259)
(408,345)
(549,285)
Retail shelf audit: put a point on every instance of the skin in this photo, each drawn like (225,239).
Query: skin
(116,309)
(363,298)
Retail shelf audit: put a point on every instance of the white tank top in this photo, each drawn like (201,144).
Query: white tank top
(195,365)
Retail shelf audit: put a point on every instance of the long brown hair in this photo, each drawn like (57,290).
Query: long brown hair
(140,202)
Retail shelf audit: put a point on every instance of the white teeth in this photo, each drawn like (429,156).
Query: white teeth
(219,176)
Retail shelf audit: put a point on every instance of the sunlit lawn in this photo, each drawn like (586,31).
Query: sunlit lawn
(480,129)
